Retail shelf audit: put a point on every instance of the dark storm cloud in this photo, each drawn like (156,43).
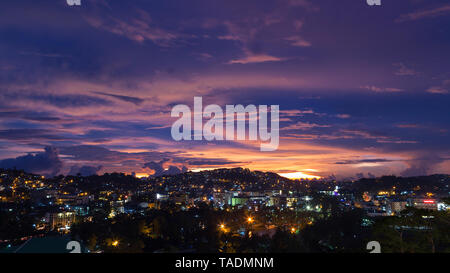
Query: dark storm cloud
(423,164)
(84,170)
(47,162)
(156,166)
(159,170)
(359,175)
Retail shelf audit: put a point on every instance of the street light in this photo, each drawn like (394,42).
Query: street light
(115,243)
(223,228)
(250,222)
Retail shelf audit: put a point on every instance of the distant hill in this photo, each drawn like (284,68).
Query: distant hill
(251,180)
(431,183)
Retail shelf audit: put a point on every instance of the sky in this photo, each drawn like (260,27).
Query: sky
(363,90)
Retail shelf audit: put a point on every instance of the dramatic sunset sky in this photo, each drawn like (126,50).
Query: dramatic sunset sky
(363,91)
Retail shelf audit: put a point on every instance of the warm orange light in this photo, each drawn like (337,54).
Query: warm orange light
(293,230)
(299,175)
(223,228)
(115,243)
(250,219)
(142,175)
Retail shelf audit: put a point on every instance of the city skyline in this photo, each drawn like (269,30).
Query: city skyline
(363,90)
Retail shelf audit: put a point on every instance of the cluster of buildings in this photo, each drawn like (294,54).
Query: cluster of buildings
(388,203)
(254,200)
(58,203)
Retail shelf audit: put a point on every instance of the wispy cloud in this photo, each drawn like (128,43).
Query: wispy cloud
(408,126)
(308,5)
(134,100)
(440,89)
(298,41)
(437,90)
(228,37)
(398,141)
(343,116)
(403,70)
(421,14)
(138,28)
(358,161)
(203,56)
(381,89)
(304,126)
(296,112)
(261,58)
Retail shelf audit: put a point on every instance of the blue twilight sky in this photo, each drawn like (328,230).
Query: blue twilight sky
(363,90)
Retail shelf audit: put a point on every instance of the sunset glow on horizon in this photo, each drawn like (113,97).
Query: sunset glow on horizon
(299,175)
(142,175)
